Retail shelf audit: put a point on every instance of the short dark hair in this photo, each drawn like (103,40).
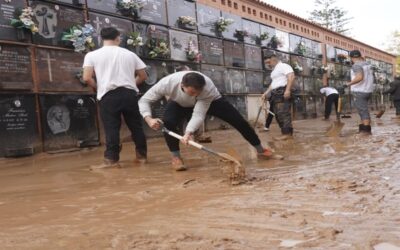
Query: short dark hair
(109,33)
(269,55)
(194,80)
(355,54)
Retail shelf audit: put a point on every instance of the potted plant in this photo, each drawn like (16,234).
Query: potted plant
(80,38)
(275,42)
(130,8)
(158,48)
(187,22)
(134,39)
(297,68)
(222,24)
(301,48)
(23,23)
(241,34)
(192,53)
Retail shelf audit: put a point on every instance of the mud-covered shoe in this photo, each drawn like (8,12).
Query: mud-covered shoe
(177,164)
(107,163)
(266,154)
(283,138)
(140,158)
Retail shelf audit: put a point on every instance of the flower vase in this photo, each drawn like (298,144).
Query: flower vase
(187,26)
(136,13)
(126,12)
(22,35)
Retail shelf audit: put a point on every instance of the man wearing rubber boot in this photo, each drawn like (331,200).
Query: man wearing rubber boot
(192,95)
(282,77)
(361,86)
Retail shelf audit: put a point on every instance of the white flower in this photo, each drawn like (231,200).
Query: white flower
(129,41)
(77,32)
(89,39)
(140,44)
(139,39)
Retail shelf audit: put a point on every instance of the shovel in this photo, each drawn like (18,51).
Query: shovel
(382,108)
(259,112)
(337,126)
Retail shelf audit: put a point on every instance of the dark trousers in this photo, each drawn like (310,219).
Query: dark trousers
(282,110)
(117,102)
(331,99)
(397,106)
(270,117)
(175,114)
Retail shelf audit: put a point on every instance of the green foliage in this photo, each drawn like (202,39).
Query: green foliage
(330,16)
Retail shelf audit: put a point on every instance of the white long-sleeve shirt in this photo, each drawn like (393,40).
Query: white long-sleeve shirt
(171,86)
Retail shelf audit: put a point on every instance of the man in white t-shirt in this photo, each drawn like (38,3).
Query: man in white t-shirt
(282,77)
(332,97)
(118,72)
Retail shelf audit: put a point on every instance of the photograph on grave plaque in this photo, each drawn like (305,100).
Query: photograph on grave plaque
(216,74)
(254,82)
(239,102)
(266,33)
(99,21)
(236,24)
(154,11)
(235,81)
(7,9)
(184,46)
(58,70)
(53,20)
(283,38)
(68,120)
(234,54)
(253,57)
(155,71)
(207,18)
(109,6)
(182,14)
(211,50)
(18,131)
(15,67)
(251,32)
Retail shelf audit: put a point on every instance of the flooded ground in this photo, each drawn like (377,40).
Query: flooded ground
(329,193)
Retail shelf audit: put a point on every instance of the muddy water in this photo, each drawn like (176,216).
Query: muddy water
(329,193)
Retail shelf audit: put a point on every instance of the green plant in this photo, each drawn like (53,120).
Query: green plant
(23,20)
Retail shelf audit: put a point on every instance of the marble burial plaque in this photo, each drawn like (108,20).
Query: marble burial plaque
(207,18)
(267,80)
(7,32)
(266,32)
(330,53)
(181,42)
(234,54)
(68,120)
(309,47)
(239,102)
(320,103)
(58,69)
(316,68)
(253,32)
(212,51)
(254,82)
(109,6)
(15,67)
(293,43)
(154,35)
(155,71)
(100,21)
(316,49)
(18,131)
(154,11)
(77,3)
(235,81)
(311,107)
(284,40)
(216,74)
(298,82)
(230,32)
(157,110)
(299,107)
(299,65)
(173,67)
(253,57)
(181,8)
(53,20)
(309,86)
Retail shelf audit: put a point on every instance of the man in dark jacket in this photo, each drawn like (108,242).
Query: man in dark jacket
(394,91)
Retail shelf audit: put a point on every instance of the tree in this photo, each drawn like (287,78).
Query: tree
(393,47)
(330,16)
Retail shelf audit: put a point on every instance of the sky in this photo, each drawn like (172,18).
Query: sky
(372,23)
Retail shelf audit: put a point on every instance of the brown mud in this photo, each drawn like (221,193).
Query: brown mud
(328,193)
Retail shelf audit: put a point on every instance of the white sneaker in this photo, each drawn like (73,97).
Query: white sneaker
(266,129)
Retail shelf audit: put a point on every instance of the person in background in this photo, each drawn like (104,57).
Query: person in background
(394,91)
(118,72)
(332,97)
(282,76)
(361,87)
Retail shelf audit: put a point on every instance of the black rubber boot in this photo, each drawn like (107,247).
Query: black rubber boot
(360,128)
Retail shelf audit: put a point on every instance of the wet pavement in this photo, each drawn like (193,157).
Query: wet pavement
(328,193)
